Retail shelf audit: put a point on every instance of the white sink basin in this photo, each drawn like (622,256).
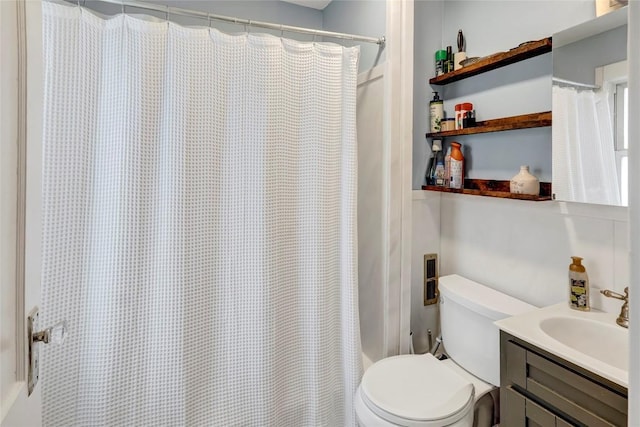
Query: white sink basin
(605,342)
(590,339)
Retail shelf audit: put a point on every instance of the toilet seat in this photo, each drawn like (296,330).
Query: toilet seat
(416,390)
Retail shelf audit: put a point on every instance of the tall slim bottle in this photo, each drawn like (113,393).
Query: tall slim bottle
(440,169)
(436,147)
(449,64)
(436,113)
(447,168)
(456,167)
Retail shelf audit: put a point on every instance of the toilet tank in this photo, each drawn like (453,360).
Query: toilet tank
(467,312)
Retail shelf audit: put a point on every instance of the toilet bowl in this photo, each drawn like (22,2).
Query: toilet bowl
(416,391)
(420,390)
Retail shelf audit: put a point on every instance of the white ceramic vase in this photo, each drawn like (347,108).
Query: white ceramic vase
(525,183)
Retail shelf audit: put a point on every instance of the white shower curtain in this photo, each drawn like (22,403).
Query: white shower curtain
(199,226)
(584,163)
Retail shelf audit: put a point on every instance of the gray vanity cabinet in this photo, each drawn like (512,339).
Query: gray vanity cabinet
(522,411)
(541,389)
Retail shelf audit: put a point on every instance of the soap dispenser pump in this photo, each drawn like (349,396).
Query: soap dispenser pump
(578,285)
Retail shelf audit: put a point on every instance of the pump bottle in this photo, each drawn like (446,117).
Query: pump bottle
(578,285)
(436,113)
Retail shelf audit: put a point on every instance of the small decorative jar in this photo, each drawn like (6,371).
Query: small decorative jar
(448,124)
(525,183)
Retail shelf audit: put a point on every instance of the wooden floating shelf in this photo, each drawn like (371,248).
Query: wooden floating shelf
(525,121)
(494,188)
(524,51)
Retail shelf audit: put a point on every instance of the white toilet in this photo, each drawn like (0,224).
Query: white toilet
(420,390)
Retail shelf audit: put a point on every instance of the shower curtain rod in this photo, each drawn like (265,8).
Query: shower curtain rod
(170,10)
(574,84)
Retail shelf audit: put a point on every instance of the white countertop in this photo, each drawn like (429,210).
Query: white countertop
(527,326)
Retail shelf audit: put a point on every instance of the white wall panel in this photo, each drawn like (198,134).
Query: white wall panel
(371,213)
(426,239)
(524,249)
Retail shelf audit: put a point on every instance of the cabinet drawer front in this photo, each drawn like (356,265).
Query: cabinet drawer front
(519,411)
(512,408)
(562,423)
(570,408)
(595,391)
(514,358)
(579,397)
(573,393)
(538,414)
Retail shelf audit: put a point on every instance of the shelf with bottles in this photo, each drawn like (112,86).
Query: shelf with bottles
(525,121)
(524,51)
(493,188)
(465,111)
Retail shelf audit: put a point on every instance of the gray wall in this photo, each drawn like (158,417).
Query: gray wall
(362,17)
(525,87)
(577,61)
(427,27)
(487,239)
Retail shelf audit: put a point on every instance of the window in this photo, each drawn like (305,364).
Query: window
(621,119)
(613,78)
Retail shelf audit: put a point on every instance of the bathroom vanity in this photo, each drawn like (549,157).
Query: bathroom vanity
(552,380)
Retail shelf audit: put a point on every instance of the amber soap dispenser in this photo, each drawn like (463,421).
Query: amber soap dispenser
(578,285)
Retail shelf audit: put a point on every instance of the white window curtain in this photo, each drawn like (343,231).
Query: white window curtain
(584,163)
(199,225)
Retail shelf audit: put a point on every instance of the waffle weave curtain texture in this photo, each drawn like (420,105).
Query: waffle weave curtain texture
(199,226)
(584,162)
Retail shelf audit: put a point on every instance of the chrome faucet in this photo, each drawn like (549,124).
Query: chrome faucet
(623,318)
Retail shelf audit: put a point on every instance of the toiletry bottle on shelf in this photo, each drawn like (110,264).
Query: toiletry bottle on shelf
(436,147)
(465,107)
(578,285)
(456,167)
(447,167)
(441,59)
(436,113)
(458,117)
(449,62)
(440,169)
(469,119)
(431,161)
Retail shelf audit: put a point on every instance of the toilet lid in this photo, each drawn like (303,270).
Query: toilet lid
(416,387)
